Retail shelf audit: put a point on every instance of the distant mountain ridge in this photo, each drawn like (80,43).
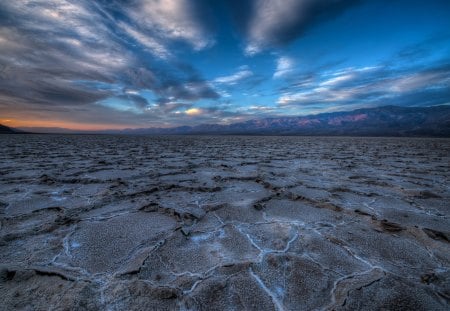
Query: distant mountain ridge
(380,121)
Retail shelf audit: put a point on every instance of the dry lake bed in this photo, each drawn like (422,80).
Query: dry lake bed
(224,223)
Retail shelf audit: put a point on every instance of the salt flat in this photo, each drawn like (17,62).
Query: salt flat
(224,223)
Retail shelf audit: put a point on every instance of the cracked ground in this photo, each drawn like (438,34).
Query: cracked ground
(224,223)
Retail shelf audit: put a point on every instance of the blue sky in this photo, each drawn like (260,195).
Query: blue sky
(140,63)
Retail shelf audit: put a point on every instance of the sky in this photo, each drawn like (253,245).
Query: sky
(111,64)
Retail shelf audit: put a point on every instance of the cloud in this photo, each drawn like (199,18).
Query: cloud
(190,91)
(156,48)
(337,79)
(285,65)
(123,103)
(268,23)
(173,19)
(127,62)
(194,112)
(242,74)
(64,57)
(416,81)
(41,68)
(373,86)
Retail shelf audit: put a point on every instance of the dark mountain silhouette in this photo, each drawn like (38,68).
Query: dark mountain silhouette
(7,130)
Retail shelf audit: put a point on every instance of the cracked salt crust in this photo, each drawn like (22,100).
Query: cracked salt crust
(254,223)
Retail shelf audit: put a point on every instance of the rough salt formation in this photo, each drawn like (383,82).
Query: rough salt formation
(224,223)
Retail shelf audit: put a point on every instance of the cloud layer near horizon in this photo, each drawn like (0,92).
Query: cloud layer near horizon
(162,63)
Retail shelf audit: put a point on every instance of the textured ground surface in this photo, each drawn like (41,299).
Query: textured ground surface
(224,223)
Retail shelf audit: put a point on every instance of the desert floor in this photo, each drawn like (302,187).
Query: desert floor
(224,223)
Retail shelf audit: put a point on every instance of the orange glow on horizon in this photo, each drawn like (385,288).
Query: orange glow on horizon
(15,123)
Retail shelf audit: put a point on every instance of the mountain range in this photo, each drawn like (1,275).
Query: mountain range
(7,130)
(380,121)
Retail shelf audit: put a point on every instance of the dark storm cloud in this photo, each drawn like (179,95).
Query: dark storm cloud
(45,89)
(267,23)
(183,84)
